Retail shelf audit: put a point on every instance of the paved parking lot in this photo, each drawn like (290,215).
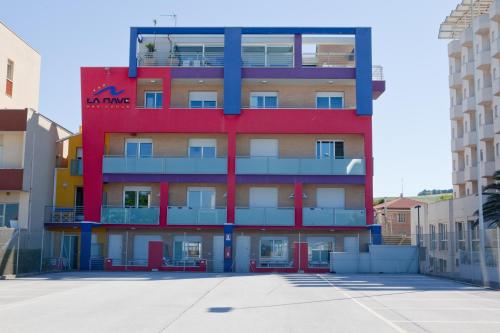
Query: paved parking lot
(190,302)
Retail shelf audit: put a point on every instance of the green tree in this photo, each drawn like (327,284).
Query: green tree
(491,207)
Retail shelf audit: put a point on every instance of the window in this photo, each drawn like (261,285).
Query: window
(264,100)
(273,249)
(401,217)
(496,111)
(330,100)
(203,99)
(200,197)
(202,148)
(474,235)
(443,236)
(9,85)
(460,231)
(329,149)
(432,229)
(187,247)
(139,148)
(319,249)
(497,150)
(267,56)
(481,154)
(153,99)
(136,197)
(79,153)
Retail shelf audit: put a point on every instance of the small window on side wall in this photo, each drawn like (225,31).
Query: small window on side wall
(330,100)
(9,84)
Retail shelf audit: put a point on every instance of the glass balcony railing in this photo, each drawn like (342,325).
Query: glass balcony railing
(300,166)
(130,215)
(180,59)
(261,59)
(164,165)
(76,167)
(196,216)
(333,217)
(328,59)
(265,216)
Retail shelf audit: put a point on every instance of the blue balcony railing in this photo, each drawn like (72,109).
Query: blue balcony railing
(196,216)
(130,215)
(164,165)
(300,166)
(333,217)
(265,216)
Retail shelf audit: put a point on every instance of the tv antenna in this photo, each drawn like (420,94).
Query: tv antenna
(172,16)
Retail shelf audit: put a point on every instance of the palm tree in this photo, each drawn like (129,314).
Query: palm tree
(491,207)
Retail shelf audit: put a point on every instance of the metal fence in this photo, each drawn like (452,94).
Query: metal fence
(24,252)
(457,255)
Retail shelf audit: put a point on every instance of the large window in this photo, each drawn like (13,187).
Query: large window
(8,213)
(274,249)
(443,236)
(319,249)
(9,85)
(432,230)
(264,100)
(187,247)
(460,231)
(136,197)
(267,55)
(330,100)
(202,148)
(153,99)
(139,148)
(329,149)
(201,197)
(203,99)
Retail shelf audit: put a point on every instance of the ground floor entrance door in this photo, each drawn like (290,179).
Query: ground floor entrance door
(141,248)
(115,248)
(242,257)
(218,254)
(69,251)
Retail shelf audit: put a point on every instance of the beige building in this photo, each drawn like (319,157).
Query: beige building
(19,72)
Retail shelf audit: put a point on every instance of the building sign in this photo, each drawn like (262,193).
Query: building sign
(108,96)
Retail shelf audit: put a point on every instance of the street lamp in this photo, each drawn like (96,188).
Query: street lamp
(418,237)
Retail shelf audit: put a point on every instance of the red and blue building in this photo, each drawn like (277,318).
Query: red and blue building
(229,149)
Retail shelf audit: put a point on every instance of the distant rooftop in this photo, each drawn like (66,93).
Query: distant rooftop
(461,17)
(399,203)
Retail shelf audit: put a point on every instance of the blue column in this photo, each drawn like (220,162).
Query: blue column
(132,61)
(376,231)
(85,244)
(232,71)
(363,56)
(228,247)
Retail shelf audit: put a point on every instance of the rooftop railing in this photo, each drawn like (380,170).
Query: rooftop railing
(180,59)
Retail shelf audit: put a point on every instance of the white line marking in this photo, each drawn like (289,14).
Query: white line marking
(447,321)
(388,322)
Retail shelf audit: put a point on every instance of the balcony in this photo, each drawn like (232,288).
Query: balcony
(468,70)
(483,61)
(470,173)
(454,49)
(458,177)
(496,87)
(328,59)
(55,214)
(496,126)
(495,48)
(481,24)
(263,59)
(455,80)
(457,144)
(486,132)
(470,138)
(265,216)
(333,217)
(180,59)
(130,215)
(196,216)
(164,165)
(76,167)
(466,37)
(487,168)
(495,11)
(485,95)
(299,166)
(456,111)
(469,104)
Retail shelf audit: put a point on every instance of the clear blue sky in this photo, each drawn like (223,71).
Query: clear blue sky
(411,119)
